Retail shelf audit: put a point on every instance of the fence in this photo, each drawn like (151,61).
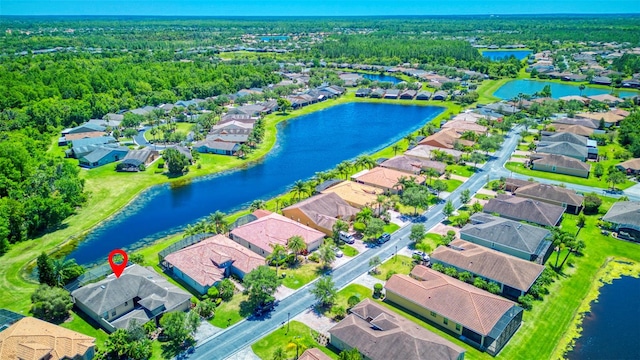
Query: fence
(188,241)
(89,276)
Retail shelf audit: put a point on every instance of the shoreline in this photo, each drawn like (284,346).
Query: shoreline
(613,268)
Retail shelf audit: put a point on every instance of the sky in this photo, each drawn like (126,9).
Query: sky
(313,8)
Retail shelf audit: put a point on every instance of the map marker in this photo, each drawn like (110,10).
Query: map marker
(118,268)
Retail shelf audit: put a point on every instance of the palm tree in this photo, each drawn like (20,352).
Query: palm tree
(581,87)
(364,215)
(217,222)
(326,254)
(431,173)
(409,139)
(363,161)
(299,188)
(257,204)
(243,151)
(380,201)
(395,148)
(190,230)
(276,255)
(60,268)
(344,168)
(296,245)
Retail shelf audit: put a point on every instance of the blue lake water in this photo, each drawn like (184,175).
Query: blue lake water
(274,38)
(610,329)
(503,54)
(513,88)
(305,145)
(381,78)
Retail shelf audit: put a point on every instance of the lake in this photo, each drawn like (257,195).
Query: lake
(274,38)
(381,78)
(511,89)
(305,145)
(610,329)
(503,54)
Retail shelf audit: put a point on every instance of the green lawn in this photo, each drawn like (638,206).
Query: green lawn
(462,170)
(290,337)
(348,250)
(361,291)
(452,184)
(390,228)
(482,197)
(228,312)
(400,264)
(591,181)
(84,325)
(301,275)
(432,240)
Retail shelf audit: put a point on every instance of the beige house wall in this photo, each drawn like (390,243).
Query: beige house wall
(424,313)
(561,170)
(296,214)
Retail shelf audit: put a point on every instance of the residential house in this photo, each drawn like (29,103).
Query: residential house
(423,95)
(141,157)
(84,131)
(630,167)
(408,94)
(574,129)
(244,118)
(212,146)
(355,194)
(512,184)
(510,237)
(461,126)
(102,155)
(230,138)
(314,354)
(485,320)
(321,212)
(446,139)
(601,80)
(610,117)
(106,122)
(143,110)
(208,262)
(593,124)
(381,334)
(469,117)
(514,275)
(567,198)
(559,136)
(139,293)
(502,108)
(581,99)
(563,148)
(413,165)
(233,127)
(34,339)
(363,92)
(560,164)
(625,216)
(383,178)
(440,95)
(607,99)
(260,235)
(84,146)
(523,209)
(427,152)
(392,94)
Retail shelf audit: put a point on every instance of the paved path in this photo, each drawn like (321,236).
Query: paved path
(248,331)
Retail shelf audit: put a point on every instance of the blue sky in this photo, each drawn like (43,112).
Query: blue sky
(312,8)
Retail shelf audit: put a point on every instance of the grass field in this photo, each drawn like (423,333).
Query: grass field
(301,275)
(294,338)
(228,312)
(591,181)
(400,264)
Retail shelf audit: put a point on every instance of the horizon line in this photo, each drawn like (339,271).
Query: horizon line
(327,16)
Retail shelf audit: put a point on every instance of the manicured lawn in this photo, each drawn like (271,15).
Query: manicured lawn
(291,337)
(482,197)
(431,240)
(591,181)
(85,325)
(348,250)
(301,275)
(390,228)
(361,291)
(228,313)
(462,170)
(452,184)
(400,264)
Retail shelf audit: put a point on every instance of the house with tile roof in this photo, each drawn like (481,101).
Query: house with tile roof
(574,129)
(381,334)
(563,148)
(314,354)
(355,194)
(523,209)
(631,166)
(260,235)
(212,146)
(139,293)
(527,242)
(625,215)
(514,275)
(413,165)
(34,339)
(321,212)
(461,126)
(485,320)
(383,178)
(606,98)
(204,264)
(426,152)
(610,117)
(560,164)
(567,198)
(445,139)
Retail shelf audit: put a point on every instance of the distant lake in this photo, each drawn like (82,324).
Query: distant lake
(610,329)
(274,38)
(503,54)
(381,78)
(514,87)
(306,144)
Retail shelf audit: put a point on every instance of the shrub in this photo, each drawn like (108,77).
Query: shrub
(390,274)
(205,309)
(359,227)
(451,271)
(438,267)
(213,293)
(493,287)
(480,283)
(226,289)
(377,290)
(51,304)
(339,312)
(526,301)
(465,276)
(314,257)
(353,300)
(160,164)
(592,204)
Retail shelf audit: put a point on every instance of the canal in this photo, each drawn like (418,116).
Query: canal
(512,88)
(305,145)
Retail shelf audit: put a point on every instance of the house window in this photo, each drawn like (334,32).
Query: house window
(105,315)
(445,321)
(433,314)
(553,168)
(113,313)
(126,303)
(457,327)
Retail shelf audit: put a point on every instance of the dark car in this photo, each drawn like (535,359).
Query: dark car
(384,238)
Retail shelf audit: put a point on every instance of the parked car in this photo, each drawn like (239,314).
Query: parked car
(346,237)
(338,252)
(384,238)
(422,256)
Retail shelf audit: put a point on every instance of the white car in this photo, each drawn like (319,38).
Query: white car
(338,252)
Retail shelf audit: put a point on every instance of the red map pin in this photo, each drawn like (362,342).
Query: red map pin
(118,268)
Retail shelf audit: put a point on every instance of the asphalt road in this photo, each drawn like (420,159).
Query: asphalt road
(246,332)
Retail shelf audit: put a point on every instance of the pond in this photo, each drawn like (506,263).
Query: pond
(381,78)
(274,38)
(305,145)
(503,54)
(511,89)
(610,329)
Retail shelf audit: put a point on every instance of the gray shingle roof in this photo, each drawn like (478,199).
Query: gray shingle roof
(508,233)
(565,136)
(624,213)
(550,193)
(525,209)
(102,151)
(562,148)
(93,141)
(561,161)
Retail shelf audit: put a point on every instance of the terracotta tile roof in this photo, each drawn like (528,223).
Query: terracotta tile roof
(314,354)
(581,99)
(550,192)
(526,209)
(381,334)
(275,229)
(324,209)
(503,268)
(413,165)
(606,98)
(574,129)
(462,125)
(261,213)
(425,151)
(84,135)
(384,178)
(445,138)
(355,193)
(34,339)
(609,116)
(460,302)
(202,261)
